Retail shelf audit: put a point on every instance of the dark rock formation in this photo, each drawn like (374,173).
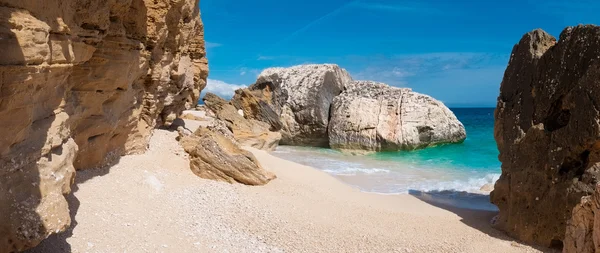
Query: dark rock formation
(248,132)
(548,133)
(261,102)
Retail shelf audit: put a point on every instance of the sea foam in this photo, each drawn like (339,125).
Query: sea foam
(470,185)
(350,171)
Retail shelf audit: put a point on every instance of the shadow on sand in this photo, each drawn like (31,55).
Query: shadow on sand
(475,210)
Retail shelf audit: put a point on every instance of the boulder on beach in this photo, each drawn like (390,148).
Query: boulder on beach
(374,116)
(248,132)
(310,90)
(215,156)
(547,130)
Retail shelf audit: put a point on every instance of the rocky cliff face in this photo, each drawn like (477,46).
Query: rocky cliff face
(376,117)
(310,89)
(583,229)
(83,82)
(548,133)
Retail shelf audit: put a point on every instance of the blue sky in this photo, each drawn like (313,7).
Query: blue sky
(453,50)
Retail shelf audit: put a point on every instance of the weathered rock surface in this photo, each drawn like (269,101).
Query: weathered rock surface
(261,102)
(248,132)
(548,133)
(218,126)
(214,156)
(270,92)
(583,229)
(376,117)
(81,82)
(310,90)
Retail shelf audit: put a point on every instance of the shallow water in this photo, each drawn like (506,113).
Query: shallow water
(443,170)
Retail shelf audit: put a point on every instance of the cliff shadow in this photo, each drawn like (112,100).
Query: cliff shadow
(475,211)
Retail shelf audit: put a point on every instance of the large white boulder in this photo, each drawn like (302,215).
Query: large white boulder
(374,116)
(310,91)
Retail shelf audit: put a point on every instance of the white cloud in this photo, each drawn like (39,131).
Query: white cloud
(405,7)
(394,76)
(220,88)
(457,78)
(397,8)
(249,71)
(400,73)
(402,70)
(265,58)
(210,45)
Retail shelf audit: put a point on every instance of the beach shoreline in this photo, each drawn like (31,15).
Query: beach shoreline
(164,207)
(477,199)
(390,177)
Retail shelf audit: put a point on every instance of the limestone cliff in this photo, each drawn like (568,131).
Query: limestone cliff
(548,133)
(83,82)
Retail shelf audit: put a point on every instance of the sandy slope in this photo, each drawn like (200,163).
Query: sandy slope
(153,203)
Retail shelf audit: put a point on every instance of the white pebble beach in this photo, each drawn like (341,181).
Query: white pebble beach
(154,203)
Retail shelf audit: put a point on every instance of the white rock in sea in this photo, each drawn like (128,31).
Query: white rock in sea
(487,187)
(377,117)
(310,90)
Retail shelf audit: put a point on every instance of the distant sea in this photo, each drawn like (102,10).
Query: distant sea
(448,169)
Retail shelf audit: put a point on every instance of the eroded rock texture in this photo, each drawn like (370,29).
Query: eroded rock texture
(376,117)
(548,133)
(247,132)
(82,82)
(583,229)
(215,156)
(261,102)
(310,90)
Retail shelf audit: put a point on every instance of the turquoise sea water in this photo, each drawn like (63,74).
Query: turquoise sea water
(464,167)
